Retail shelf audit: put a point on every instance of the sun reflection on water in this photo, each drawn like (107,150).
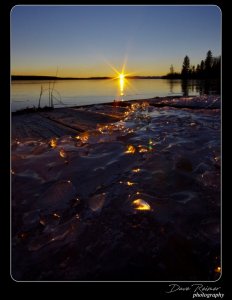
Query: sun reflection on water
(121,83)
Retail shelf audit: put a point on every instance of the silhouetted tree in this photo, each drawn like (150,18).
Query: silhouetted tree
(202,69)
(210,68)
(208,64)
(192,72)
(171,70)
(185,67)
(198,70)
(172,74)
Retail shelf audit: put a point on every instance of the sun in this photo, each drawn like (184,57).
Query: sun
(121,77)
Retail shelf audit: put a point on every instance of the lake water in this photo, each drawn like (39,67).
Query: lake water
(83,92)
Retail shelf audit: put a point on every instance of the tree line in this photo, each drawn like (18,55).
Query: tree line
(210,68)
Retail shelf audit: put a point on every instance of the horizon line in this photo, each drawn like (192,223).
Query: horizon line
(90,77)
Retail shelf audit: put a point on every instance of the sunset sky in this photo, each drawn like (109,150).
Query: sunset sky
(85,41)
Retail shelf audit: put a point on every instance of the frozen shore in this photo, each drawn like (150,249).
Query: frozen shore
(120,191)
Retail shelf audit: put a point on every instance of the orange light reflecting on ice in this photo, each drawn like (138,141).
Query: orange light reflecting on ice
(56,216)
(140,204)
(42,222)
(130,183)
(63,153)
(143,150)
(136,170)
(53,143)
(83,137)
(130,149)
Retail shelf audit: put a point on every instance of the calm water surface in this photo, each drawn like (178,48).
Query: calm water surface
(83,92)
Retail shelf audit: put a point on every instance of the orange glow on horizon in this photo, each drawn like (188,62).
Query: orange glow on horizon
(99,69)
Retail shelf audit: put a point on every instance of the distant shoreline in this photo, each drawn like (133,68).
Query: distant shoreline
(32,77)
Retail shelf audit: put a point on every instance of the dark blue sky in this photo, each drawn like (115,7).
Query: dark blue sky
(86,40)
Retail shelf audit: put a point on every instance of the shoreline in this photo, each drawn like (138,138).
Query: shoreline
(154,101)
(38,77)
(47,123)
(117,102)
